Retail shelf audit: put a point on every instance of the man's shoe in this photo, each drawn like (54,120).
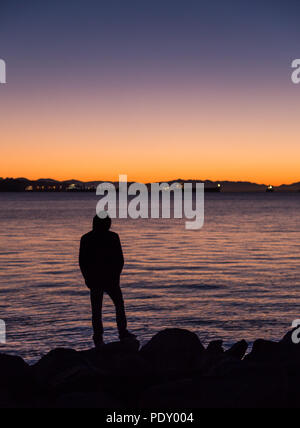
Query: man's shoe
(127,335)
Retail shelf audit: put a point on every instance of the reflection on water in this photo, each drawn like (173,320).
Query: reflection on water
(236,278)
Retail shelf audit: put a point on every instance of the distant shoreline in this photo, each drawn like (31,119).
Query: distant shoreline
(20,185)
(281,192)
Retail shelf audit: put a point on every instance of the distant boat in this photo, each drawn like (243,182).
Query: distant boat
(270,189)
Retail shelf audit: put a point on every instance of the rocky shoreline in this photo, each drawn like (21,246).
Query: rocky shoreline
(172,371)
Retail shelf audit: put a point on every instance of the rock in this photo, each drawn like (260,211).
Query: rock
(212,356)
(173,349)
(172,371)
(130,365)
(125,346)
(16,382)
(238,350)
(64,370)
(8,400)
(264,351)
(216,362)
(291,375)
(205,392)
(116,359)
(290,348)
(126,373)
(225,367)
(215,348)
(104,354)
(289,341)
(285,352)
(13,371)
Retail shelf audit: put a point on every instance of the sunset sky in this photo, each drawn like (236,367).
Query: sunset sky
(155,89)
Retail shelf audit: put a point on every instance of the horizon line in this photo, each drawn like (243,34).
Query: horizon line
(156,181)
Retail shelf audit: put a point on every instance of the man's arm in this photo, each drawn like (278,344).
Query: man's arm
(83,258)
(120,256)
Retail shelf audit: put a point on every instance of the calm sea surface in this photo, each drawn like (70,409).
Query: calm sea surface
(237,278)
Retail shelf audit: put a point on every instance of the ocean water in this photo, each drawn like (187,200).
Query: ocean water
(237,278)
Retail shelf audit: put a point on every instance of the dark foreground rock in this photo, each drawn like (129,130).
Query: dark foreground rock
(173,349)
(172,371)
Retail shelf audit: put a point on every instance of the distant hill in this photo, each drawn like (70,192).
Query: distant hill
(289,188)
(244,186)
(232,186)
(48,184)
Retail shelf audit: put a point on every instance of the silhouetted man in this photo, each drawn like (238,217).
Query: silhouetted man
(101,262)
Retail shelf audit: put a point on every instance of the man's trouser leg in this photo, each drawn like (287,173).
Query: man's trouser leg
(96,302)
(115,293)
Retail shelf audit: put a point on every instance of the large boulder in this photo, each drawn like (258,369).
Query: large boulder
(208,392)
(225,367)
(128,346)
(104,356)
(16,382)
(212,356)
(13,371)
(215,348)
(64,370)
(238,350)
(123,370)
(173,350)
(264,351)
(215,361)
(291,342)
(285,352)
